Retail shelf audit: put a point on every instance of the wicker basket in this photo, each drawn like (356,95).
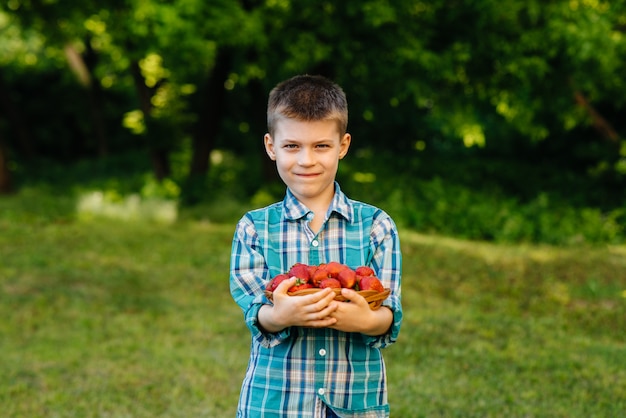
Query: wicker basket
(374,298)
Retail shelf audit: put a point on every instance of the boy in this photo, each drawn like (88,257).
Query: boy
(312,356)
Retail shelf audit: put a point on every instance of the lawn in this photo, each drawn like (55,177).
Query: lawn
(112,318)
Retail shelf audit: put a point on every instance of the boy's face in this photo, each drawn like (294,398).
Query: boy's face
(307,155)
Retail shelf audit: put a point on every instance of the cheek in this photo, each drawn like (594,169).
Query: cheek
(331,160)
(282,163)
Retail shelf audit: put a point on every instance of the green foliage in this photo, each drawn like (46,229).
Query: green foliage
(427,68)
(111,318)
(455,210)
(452,204)
(528,84)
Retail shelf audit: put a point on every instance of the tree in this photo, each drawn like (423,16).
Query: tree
(435,75)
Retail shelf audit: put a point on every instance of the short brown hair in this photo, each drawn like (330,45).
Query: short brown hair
(307,98)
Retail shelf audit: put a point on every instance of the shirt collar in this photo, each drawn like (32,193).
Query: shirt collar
(294,209)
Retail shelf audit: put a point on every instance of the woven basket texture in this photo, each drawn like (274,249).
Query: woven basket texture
(374,298)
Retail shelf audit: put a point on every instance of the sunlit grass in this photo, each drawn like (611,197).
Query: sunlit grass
(133,207)
(133,319)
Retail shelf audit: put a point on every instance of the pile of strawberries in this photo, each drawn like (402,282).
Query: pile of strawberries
(332,274)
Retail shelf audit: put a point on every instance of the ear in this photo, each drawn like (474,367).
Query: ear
(269,146)
(344,145)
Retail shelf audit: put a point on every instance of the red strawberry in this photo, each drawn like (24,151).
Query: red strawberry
(299,270)
(347,277)
(364,271)
(334,268)
(330,282)
(300,285)
(311,270)
(320,274)
(371,283)
(273,284)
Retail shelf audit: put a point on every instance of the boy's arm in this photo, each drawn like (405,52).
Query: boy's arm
(381,327)
(248,276)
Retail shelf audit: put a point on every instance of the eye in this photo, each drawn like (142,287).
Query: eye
(290,146)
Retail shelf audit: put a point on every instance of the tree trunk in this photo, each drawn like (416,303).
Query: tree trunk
(158,155)
(160,163)
(95,102)
(211,113)
(6,185)
(20,129)
(143,92)
(83,69)
(601,125)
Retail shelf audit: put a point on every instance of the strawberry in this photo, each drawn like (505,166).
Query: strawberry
(299,270)
(312,269)
(358,280)
(347,278)
(330,282)
(364,271)
(273,284)
(320,274)
(300,285)
(371,283)
(334,268)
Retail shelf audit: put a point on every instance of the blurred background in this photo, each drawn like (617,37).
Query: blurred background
(491,120)
(493,132)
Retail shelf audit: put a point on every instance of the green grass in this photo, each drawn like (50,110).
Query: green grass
(107,318)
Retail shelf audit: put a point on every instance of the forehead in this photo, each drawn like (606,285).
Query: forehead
(294,129)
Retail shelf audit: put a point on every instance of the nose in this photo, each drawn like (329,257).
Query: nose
(306,157)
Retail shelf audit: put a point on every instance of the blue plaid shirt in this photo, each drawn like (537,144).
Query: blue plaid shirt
(299,372)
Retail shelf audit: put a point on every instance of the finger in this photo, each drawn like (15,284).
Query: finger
(348,293)
(352,296)
(326,321)
(328,299)
(316,302)
(328,310)
(325,294)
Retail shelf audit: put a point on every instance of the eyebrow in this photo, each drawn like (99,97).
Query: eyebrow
(315,141)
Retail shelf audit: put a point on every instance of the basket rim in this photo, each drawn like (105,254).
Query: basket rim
(373,297)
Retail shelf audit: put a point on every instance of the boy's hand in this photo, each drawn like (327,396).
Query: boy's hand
(306,311)
(357,316)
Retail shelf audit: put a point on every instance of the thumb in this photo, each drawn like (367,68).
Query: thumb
(285,285)
(352,295)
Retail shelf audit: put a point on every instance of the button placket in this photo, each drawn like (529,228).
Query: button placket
(320,365)
(314,256)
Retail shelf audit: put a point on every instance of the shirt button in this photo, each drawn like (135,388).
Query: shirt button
(315,243)
(321,391)
(322,352)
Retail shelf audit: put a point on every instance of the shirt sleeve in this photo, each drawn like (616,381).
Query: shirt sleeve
(387,262)
(248,277)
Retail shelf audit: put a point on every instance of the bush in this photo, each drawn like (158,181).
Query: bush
(439,206)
